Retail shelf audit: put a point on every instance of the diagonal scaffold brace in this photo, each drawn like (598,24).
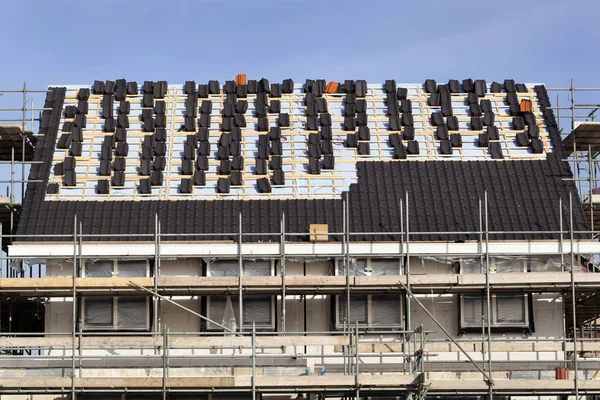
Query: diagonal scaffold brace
(488,378)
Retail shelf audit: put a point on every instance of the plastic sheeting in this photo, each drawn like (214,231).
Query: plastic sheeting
(255,308)
(503,264)
(472,310)
(497,264)
(131,312)
(385,309)
(99,269)
(358,309)
(110,268)
(229,321)
(231,267)
(507,310)
(378,267)
(510,309)
(131,268)
(98,311)
(31,263)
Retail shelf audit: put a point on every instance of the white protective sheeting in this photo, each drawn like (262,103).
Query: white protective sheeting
(232,267)
(98,311)
(255,308)
(131,312)
(372,267)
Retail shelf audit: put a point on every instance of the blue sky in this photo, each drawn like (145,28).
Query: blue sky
(47,42)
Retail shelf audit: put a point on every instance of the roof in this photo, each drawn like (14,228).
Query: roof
(443,192)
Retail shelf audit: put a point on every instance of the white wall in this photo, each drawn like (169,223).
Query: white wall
(547,313)
(175,318)
(547,308)
(318,309)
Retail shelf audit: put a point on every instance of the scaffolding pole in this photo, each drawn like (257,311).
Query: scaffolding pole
(448,335)
(155,300)
(240,274)
(253,360)
(573,302)
(487,293)
(180,306)
(74,309)
(408,326)
(283,273)
(165,360)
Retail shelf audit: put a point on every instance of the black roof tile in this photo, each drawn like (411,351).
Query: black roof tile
(443,196)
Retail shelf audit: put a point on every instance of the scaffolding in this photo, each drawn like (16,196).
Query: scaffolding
(349,374)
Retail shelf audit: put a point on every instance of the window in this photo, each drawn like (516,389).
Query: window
(116,312)
(116,268)
(225,309)
(256,308)
(370,267)
(498,265)
(508,310)
(370,310)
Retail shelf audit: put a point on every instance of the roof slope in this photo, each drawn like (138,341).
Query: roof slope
(443,196)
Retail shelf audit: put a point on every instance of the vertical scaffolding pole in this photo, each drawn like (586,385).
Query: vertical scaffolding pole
(24,128)
(402,271)
(253,360)
(357,360)
(408,310)
(282,260)
(590,188)
(347,257)
(561,243)
(78,272)
(240,274)
(487,292)
(575,356)
(74,308)
(24,118)
(481,271)
(558,111)
(422,350)
(156,300)
(165,344)
(572,105)
(12,181)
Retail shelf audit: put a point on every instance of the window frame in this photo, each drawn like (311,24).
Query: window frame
(272,270)
(115,268)
(494,317)
(339,264)
(369,324)
(115,322)
(115,300)
(211,327)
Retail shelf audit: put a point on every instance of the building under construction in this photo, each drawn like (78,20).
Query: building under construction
(299,240)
